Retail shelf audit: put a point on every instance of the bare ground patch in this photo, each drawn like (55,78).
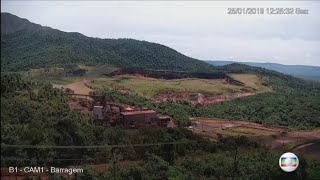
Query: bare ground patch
(278,138)
(77,87)
(199,98)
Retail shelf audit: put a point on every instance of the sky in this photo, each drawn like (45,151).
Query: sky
(199,29)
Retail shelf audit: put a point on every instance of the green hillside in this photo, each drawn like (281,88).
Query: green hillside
(292,102)
(45,47)
(11,23)
(302,71)
(43,119)
(34,114)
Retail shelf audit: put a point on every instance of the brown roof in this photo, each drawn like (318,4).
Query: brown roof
(160,116)
(129,109)
(137,112)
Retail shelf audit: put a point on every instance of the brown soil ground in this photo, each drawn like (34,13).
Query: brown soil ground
(82,105)
(278,138)
(312,149)
(211,124)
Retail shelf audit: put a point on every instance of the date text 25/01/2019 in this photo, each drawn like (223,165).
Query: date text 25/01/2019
(268,11)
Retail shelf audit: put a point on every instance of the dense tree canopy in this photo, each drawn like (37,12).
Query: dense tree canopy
(45,47)
(36,114)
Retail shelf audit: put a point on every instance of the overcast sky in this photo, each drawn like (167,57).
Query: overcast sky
(202,30)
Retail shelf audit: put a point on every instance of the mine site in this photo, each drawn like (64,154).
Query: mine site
(170,86)
(109,113)
(92,95)
(159,90)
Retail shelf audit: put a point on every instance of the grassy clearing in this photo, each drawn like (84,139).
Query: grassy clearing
(239,127)
(148,87)
(252,81)
(78,87)
(58,75)
(244,131)
(253,131)
(211,120)
(97,71)
(151,87)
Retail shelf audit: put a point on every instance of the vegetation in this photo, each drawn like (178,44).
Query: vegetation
(245,131)
(253,81)
(293,102)
(150,87)
(11,23)
(303,71)
(47,47)
(77,88)
(37,115)
(298,110)
(251,165)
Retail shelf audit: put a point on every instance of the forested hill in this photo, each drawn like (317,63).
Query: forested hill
(292,102)
(307,72)
(23,46)
(11,23)
(34,46)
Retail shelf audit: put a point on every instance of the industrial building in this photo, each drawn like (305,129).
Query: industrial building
(135,119)
(112,113)
(109,113)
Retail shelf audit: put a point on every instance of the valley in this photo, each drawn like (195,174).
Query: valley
(193,90)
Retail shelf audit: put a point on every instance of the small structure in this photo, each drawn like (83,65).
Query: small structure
(129,109)
(135,119)
(98,112)
(200,98)
(145,108)
(67,90)
(164,121)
